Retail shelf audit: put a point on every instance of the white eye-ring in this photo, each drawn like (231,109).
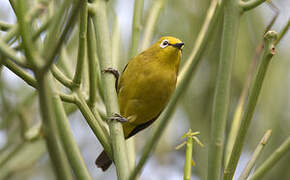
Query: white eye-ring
(164,43)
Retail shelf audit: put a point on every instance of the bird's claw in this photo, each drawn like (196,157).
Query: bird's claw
(115,72)
(119,118)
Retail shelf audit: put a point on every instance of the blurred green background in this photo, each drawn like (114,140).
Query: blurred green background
(182,19)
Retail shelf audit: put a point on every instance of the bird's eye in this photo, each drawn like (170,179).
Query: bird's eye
(164,43)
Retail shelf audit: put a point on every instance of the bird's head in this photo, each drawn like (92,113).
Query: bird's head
(169,44)
(168,49)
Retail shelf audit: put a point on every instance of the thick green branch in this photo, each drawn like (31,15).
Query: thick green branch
(51,134)
(73,153)
(222,89)
(269,51)
(110,97)
(116,45)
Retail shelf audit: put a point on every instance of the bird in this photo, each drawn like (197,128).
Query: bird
(145,87)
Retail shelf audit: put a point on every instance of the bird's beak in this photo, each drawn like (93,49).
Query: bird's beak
(178,45)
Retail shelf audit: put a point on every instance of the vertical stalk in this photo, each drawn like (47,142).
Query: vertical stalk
(188,158)
(269,51)
(151,22)
(82,43)
(136,27)
(110,96)
(222,90)
(72,150)
(51,134)
(92,58)
(25,29)
(116,38)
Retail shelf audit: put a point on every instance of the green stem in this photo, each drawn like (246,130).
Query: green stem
(62,78)
(64,64)
(236,122)
(110,96)
(70,146)
(136,27)
(183,80)
(94,124)
(51,134)
(82,43)
(188,158)
(19,72)
(94,74)
(222,89)
(52,47)
(35,34)
(14,150)
(12,55)
(268,53)
(11,33)
(25,76)
(26,157)
(283,32)
(153,16)
(25,29)
(255,155)
(33,13)
(272,160)
(251,4)
(116,38)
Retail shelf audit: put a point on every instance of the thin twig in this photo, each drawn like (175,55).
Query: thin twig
(272,160)
(255,155)
(153,16)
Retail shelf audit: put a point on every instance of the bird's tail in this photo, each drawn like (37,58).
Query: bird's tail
(103,161)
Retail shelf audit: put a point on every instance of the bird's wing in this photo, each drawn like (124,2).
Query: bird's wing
(142,126)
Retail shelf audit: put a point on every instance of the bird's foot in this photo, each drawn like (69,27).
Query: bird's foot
(119,118)
(115,72)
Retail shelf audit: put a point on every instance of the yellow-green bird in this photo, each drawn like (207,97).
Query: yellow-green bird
(145,87)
